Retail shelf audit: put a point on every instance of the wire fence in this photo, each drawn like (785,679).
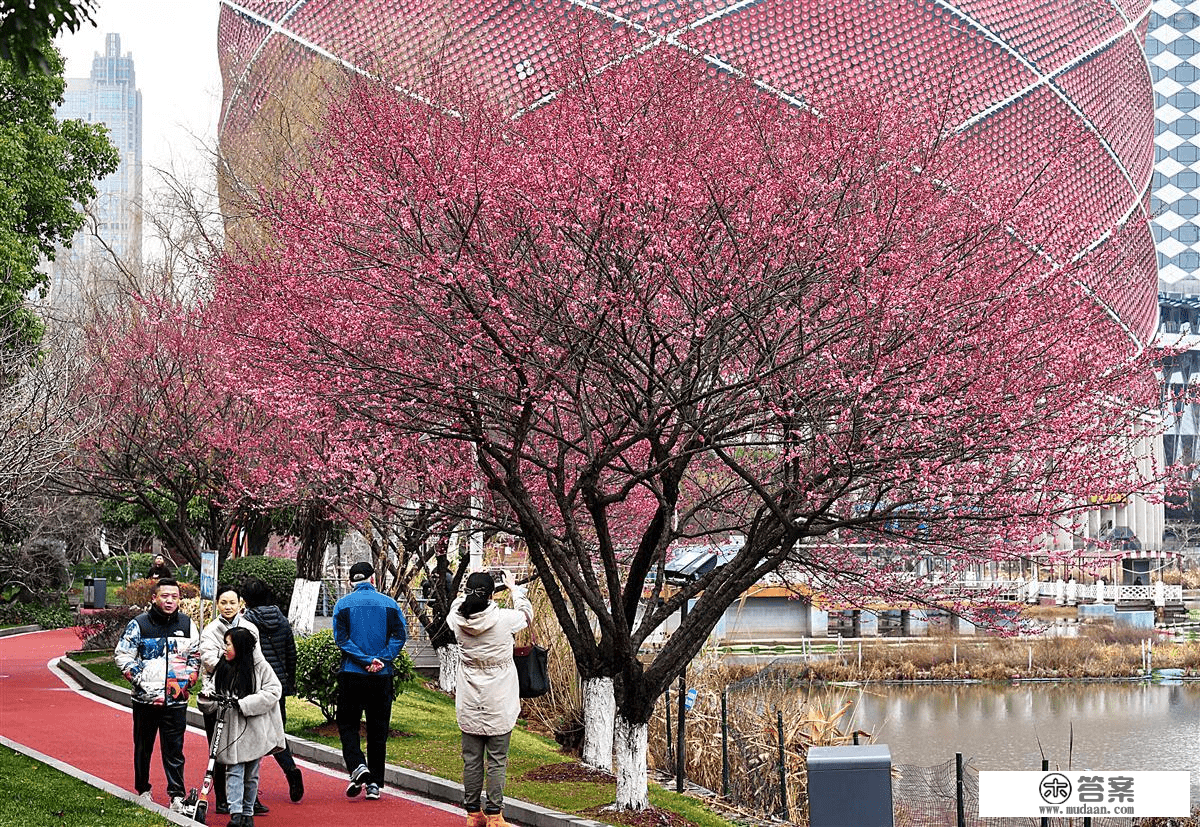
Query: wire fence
(929,796)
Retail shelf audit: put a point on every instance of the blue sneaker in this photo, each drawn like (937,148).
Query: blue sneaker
(360,776)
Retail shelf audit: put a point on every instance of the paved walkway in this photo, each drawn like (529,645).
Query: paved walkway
(40,709)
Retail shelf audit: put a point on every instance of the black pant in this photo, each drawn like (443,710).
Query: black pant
(358,693)
(210,724)
(284,757)
(168,723)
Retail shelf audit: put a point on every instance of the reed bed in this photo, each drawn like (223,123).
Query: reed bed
(1100,651)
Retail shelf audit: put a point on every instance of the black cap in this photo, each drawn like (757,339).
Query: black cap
(361,571)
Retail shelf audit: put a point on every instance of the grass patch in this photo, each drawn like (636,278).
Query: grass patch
(59,800)
(426,738)
(431,743)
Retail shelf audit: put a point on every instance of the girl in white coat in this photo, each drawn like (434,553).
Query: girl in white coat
(487,699)
(253,727)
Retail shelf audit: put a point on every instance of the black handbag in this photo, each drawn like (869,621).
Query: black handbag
(533,674)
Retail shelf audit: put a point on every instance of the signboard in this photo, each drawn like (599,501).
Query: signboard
(1101,793)
(208,575)
(690,700)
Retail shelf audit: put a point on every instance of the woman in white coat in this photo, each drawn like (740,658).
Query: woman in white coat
(487,699)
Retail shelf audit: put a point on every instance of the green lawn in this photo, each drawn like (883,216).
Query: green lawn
(58,800)
(430,743)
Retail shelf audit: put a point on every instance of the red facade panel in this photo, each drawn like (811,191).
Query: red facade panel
(1026,75)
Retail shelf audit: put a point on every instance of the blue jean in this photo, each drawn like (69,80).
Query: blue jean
(241,786)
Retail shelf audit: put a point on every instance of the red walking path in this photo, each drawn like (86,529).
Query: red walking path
(41,710)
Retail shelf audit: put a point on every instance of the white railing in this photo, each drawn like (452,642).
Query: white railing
(1070,592)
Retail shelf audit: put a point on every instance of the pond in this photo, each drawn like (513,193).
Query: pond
(1081,725)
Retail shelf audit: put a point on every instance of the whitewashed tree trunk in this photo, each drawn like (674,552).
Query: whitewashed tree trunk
(303,611)
(630,748)
(448,656)
(599,718)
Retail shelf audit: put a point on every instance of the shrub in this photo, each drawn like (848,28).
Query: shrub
(50,616)
(139,592)
(102,628)
(276,572)
(318,660)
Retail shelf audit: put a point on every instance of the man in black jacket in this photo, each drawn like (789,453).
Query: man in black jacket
(278,646)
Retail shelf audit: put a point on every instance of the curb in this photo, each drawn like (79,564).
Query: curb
(419,783)
(98,783)
(20,630)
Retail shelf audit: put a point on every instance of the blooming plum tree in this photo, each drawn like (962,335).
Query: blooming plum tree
(667,308)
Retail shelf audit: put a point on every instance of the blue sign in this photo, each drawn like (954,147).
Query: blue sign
(690,700)
(208,575)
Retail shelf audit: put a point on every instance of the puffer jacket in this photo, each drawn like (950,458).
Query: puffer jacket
(212,645)
(157,651)
(254,727)
(277,642)
(487,697)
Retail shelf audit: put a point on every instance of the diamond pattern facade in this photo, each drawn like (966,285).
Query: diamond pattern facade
(1027,77)
(1173,49)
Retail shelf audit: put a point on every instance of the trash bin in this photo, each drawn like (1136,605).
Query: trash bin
(95,592)
(850,786)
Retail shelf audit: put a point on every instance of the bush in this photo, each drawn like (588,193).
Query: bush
(52,616)
(318,660)
(276,572)
(102,628)
(139,592)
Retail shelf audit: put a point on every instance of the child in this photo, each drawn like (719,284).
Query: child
(253,727)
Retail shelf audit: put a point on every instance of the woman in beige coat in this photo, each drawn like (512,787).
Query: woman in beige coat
(487,699)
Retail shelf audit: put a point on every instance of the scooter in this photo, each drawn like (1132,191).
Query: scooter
(196,801)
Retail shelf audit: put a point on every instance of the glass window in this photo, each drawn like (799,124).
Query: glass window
(1188,260)
(1185,127)
(1187,180)
(1187,233)
(1185,99)
(1186,153)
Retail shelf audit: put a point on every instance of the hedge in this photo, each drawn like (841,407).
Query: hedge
(277,572)
(318,660)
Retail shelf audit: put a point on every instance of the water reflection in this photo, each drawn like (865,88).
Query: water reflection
(1100,726)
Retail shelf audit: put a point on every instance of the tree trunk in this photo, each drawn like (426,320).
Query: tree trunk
(303,610)
(599,718)
(448,656)
(630,748)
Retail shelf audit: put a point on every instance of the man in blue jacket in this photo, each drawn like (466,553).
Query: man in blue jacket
(370,630)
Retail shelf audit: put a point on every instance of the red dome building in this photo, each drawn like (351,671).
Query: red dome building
(1024,76)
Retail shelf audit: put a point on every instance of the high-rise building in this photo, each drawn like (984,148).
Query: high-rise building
(109,96)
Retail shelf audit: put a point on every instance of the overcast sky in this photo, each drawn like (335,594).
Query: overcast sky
(174,49)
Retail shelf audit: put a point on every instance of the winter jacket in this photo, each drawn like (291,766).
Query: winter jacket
(368,625)
(254,727)
(158,651)
(277,642)
(487,700)
(212,645)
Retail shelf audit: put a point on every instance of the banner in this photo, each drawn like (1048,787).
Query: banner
(1084,793)
(208,575)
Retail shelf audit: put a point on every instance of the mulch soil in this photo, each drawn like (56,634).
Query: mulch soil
(569,771)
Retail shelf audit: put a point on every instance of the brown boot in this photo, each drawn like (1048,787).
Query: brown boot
(497,820)
(476,819)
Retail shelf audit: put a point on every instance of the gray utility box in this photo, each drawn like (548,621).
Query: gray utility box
(850,786)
